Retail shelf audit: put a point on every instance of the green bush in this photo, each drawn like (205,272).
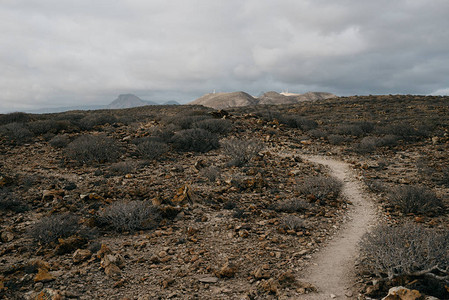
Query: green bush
(93,148)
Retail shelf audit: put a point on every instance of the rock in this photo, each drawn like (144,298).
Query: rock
(7,236)
(109,259)
(52,194)
(227,271)
(402,293)
(81,255)
(210,279)
(49,294)
(185,195)
(91,196)
(112,270)
(269,286)
(260,273)
(103,250)
(287,278)
(70,244)
(43,275)
(5,180)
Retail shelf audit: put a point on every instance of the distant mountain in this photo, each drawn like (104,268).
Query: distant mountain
(225,100)
(66,108)
(276,98)
(171,102)
(128,101)
(236,99)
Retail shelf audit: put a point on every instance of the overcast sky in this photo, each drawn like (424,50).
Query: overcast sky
(64,53)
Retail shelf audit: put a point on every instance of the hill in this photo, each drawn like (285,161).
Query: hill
(239,99)
(225,100)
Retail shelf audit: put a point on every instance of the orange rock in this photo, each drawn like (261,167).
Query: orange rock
(43,276)
(49,294)
(184,195)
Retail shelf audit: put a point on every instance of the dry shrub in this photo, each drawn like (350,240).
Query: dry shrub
(9,202)
(218,126)
(292,222)
(415,199)
(151,149)
(16,133)
(211,173)
(50,229)
(93,148)
(408,250)
(130,216)
(196,140)
(321,187)
(241,151)
(292,205)
(59,141)
(14,117)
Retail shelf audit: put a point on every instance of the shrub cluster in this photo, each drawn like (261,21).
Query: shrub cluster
(415,199)
(294,121)
(130,216)
(406,250)
(93,148)
(90,121)
(48,126)
(16,133)
(15,117)
(218,126)
(241,151)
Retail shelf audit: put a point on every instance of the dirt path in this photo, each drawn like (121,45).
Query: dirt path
(333,267)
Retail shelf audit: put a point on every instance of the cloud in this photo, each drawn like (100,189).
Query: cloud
(61,53)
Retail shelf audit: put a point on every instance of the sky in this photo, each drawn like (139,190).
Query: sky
(57,53)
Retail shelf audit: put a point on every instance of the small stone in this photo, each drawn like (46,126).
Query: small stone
(81,255)
(52,194)
(7,236)
(228,271)
(49,294)
(260,273)
(43,275)
(211,279)
(333,296)
(112,270)
(270,286)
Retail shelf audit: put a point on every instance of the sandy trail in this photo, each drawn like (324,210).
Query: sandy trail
(332,269)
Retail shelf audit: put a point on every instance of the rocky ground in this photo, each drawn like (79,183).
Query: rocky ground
(223,231)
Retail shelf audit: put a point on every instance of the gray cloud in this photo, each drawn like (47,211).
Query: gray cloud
(62,53)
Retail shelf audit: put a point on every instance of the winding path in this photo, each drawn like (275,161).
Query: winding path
(332,269)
